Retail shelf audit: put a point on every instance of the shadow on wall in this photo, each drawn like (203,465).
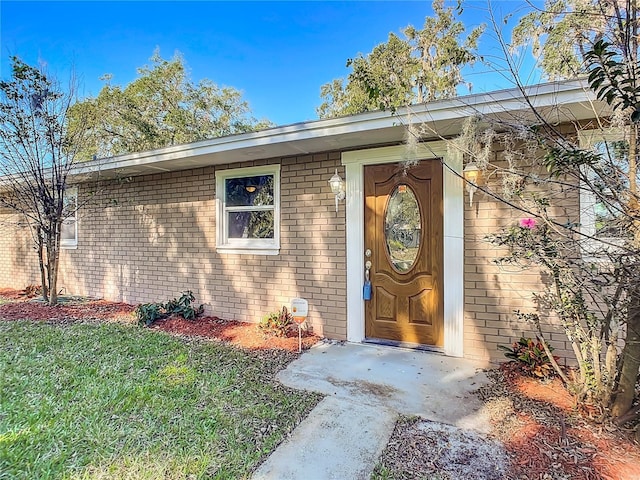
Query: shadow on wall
(158,239)
(18,260)
(493,293)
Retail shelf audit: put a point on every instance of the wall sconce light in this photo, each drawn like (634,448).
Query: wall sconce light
(472,176)
(337,187)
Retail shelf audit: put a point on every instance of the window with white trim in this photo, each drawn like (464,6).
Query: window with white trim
(600,213)
(69,229)
(248,210)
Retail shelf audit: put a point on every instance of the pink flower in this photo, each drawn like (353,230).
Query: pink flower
(529,223)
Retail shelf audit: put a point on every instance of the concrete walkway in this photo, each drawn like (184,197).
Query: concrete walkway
(367,387)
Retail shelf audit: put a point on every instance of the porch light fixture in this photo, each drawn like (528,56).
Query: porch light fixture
(337,187)
(472,176)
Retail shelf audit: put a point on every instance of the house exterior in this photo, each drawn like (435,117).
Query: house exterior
(248,222)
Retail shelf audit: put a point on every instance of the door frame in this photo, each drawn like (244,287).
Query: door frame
(453,211)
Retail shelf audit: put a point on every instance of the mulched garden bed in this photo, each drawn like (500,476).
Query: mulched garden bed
(548,438)
(243,334)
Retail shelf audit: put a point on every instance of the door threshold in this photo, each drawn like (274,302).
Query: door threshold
(407,345)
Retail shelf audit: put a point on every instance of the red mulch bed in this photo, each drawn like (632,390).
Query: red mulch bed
(242,334)
(245,335)
(92,309)
(551,436)
(11,294)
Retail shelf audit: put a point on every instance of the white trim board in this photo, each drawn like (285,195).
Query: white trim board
(453,206)
(254,246)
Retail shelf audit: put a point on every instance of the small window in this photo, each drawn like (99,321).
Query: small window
(607,212)
(601,217)
(248,210)
(69,230)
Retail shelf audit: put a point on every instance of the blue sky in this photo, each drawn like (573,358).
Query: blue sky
(277,53)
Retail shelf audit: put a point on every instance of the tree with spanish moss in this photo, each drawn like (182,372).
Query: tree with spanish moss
(593,273)
(423,66)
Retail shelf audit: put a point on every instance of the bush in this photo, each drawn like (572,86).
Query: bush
(182,306)
(531,357)
(276,323)
(148,313)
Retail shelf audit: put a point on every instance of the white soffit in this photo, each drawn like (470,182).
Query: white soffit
(559,102)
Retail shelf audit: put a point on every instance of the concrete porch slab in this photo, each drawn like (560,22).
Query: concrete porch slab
(410,382)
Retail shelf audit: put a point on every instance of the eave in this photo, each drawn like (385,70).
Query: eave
(557,102)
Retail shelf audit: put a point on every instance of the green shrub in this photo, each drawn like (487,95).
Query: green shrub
(276,323)
(182,306)
(148,313)
(531,357)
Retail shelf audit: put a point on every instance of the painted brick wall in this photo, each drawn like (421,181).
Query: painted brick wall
(494,292)
(153,237)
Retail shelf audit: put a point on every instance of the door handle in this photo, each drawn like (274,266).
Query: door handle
(366,289)
(367,265)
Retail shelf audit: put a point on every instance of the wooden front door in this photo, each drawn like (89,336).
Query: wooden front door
(404,243)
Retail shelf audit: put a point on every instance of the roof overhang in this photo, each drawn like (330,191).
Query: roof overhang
(557,102)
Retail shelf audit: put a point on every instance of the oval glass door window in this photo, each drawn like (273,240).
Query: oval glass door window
(402,228)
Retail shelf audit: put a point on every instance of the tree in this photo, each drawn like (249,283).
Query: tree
(382,79)
(614,74)
(162,107)
(593,286)
(594,277)
(441,53)
(38,151)
(424,66)
(563,31)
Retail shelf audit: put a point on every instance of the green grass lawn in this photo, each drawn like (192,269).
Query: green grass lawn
(114,401)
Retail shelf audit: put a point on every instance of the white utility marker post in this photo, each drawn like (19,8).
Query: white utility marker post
(299,311)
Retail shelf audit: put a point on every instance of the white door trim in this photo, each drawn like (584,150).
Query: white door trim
(453,205)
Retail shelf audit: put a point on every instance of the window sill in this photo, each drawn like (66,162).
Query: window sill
(69,247)
(229,249)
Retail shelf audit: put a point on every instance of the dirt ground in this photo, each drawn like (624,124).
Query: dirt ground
(545,436)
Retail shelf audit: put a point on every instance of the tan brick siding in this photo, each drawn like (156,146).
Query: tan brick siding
(494,292)
(18,259)
(154,236)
